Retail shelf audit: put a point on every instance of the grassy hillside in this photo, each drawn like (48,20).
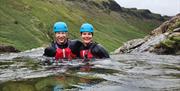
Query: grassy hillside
(27,24)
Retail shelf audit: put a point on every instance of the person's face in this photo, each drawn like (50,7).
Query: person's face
(61,37)
(86,37)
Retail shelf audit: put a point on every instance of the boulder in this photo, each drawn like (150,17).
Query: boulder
(129,46)
(5,48)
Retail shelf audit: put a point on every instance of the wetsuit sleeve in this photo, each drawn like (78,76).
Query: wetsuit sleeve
(75,47)
(50,51)
(99,52)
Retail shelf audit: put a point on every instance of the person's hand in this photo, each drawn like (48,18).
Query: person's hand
(85,59)
(49,52)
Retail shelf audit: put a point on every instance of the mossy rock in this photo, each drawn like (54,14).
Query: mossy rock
(176,38)
(175,24)
(171,45)
(168,43)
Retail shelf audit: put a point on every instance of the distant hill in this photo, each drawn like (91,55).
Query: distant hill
(27,24)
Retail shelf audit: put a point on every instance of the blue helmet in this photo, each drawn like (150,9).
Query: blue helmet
(60,27)
(86,27)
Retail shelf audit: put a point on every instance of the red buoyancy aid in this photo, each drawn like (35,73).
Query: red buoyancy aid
(65,53)
(86,53)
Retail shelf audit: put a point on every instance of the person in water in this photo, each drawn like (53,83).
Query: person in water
(90,49)
(62,47)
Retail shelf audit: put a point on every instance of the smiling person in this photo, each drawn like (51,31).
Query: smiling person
(62,47)
(90,49)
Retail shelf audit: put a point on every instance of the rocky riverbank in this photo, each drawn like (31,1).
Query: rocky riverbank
(163,40)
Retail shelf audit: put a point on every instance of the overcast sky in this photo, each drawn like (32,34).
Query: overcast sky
(163,7)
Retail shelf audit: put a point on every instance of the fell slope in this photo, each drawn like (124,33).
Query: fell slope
(27,24)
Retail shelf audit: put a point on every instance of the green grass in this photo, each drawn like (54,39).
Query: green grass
(25,23)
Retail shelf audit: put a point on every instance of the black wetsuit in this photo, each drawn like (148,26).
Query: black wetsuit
(96,50)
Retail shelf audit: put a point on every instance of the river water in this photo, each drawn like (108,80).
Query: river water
(126,72)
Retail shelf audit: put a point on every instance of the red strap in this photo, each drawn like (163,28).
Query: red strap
(64,53)
(83,53)
(59,54)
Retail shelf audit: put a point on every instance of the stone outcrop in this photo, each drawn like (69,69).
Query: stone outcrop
(112,5)
(168,26)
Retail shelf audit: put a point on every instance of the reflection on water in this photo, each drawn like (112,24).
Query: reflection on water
(50,83)
(129,72)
